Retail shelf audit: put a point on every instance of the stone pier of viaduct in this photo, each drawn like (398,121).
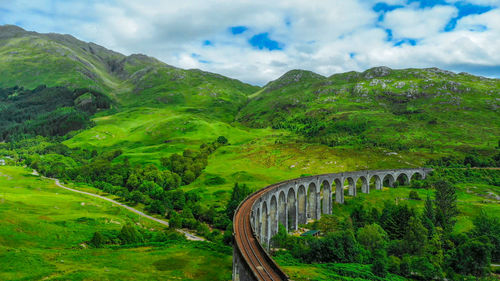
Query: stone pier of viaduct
(294,202)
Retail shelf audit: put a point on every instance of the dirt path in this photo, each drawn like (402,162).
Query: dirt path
(188,235)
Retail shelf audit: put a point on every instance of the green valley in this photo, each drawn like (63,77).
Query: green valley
(188,145)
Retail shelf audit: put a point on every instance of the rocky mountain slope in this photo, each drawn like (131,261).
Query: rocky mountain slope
(404,109)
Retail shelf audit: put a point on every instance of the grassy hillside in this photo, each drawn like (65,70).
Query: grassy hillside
(30,59)
(44,234)
(409,109)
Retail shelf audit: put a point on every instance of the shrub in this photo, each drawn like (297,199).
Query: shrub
(414,195)
(222,140)
(130,235)
(97,240)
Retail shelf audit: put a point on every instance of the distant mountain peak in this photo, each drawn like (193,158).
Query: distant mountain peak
(292,77)
(379,71)
(8,31)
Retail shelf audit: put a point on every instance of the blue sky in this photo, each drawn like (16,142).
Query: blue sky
(257,41)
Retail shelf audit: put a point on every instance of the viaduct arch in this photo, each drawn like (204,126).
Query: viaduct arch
(291,203)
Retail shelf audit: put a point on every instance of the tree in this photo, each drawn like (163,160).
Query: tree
(130,235)
(222,140)
(446,205)
(239,193)
(189,177)
(420,266)
(473,257)
(395,218)
(488,226)
(394,264)
(175,221)
(428,217)
(279,239)
(156,207)
(415,237)
(434,249)
(372,237)
(97,240)
(135,196)
(328,223)
(380,263)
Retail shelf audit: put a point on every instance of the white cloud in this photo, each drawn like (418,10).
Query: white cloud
(418,23)
(322,36)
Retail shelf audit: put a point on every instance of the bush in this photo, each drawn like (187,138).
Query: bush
(97,240)
(214,180)
(414,195)
(130,235)
(222,140)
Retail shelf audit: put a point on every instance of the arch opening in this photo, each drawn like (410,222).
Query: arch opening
(388,180)
(311,201)
(264,236)
(258,223)
(292,210)
(402,180)
(375,183)
(302,208)
(339,191)
(350,186)
(282,209)
(273,216)
(416,176)
(326,197)
(359,186)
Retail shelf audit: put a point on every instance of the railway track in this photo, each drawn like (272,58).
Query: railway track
(262,265)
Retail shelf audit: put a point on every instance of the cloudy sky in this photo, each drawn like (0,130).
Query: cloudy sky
(257,41)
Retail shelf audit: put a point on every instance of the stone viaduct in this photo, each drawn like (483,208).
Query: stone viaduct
(295,202)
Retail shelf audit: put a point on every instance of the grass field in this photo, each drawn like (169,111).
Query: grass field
(44,232)
(329,271)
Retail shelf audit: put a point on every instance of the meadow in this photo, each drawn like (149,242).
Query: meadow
(45,233)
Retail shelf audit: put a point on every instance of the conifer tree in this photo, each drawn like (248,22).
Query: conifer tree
(446,205)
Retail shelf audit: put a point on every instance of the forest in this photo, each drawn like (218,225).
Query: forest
(47,111)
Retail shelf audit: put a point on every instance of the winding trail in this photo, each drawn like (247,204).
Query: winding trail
(188,235)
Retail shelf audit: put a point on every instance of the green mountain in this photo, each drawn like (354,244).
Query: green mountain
(30,59)
(408,109)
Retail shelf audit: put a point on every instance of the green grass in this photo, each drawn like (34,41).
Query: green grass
(328,271)
(44,230)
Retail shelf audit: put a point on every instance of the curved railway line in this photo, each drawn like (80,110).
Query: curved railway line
(261,264)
